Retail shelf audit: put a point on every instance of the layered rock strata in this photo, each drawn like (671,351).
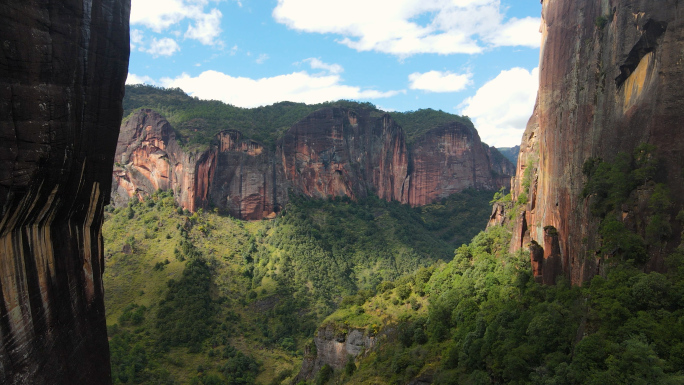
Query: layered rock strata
(332,152)
(63,65)
(610,78)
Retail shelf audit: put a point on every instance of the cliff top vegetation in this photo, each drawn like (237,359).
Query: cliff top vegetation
(197,121)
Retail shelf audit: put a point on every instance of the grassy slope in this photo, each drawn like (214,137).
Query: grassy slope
(272,282)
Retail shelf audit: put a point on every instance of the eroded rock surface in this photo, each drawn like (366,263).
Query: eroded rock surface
(610,78)
(335,347)
(62,70)
(332,152)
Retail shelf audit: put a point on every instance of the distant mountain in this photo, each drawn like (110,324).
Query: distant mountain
(511,153)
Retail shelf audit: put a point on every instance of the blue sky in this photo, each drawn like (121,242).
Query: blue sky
(472,57)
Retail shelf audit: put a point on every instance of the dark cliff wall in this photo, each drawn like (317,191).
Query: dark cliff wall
(62,70)
(331,152)
(610,78)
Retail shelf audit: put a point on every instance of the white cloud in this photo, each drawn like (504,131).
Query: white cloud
(501,108)
(207,27)
(407,27)
(517,32)
(159,15)
(163,47)
(135,79)
(437,81)
(296,87)
(317,64)
(136,38)
(233,50)
(262,58)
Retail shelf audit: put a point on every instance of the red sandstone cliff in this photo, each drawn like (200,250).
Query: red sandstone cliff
(332,152)
(235,175)
(339,152)
(610,78)
(63,65)
(452,158)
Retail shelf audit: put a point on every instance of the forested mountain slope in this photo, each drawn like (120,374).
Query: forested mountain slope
(200,297)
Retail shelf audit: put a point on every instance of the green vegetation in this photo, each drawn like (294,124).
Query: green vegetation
(601,21)
(417,123)
(208,299)
(628,181)
(488,321)
(196,121)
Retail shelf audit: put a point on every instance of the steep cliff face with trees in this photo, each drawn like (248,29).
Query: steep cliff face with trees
(606,131)
(335,151)
(62,70)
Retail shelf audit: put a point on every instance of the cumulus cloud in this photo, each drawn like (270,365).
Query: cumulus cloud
(160,15)
(163,47)
(407,27)
(207,27)
(296,87)
(135,79)
(437,81)
(501,108)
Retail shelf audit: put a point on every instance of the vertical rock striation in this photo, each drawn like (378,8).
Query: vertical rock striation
(451,158)
(62,70)
(339,152)
(331,152)
(246,180)
(610,78)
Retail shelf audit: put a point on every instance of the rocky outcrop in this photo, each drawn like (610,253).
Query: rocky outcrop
(334,347)
(62,70)
(332,152)
(610,79)
(451,158)
(235,175)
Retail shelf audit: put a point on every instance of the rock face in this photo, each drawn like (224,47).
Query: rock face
(62,70)
(236,175)
(340,152)
(335,348)
(452,158)
(332,152)
(610,78)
